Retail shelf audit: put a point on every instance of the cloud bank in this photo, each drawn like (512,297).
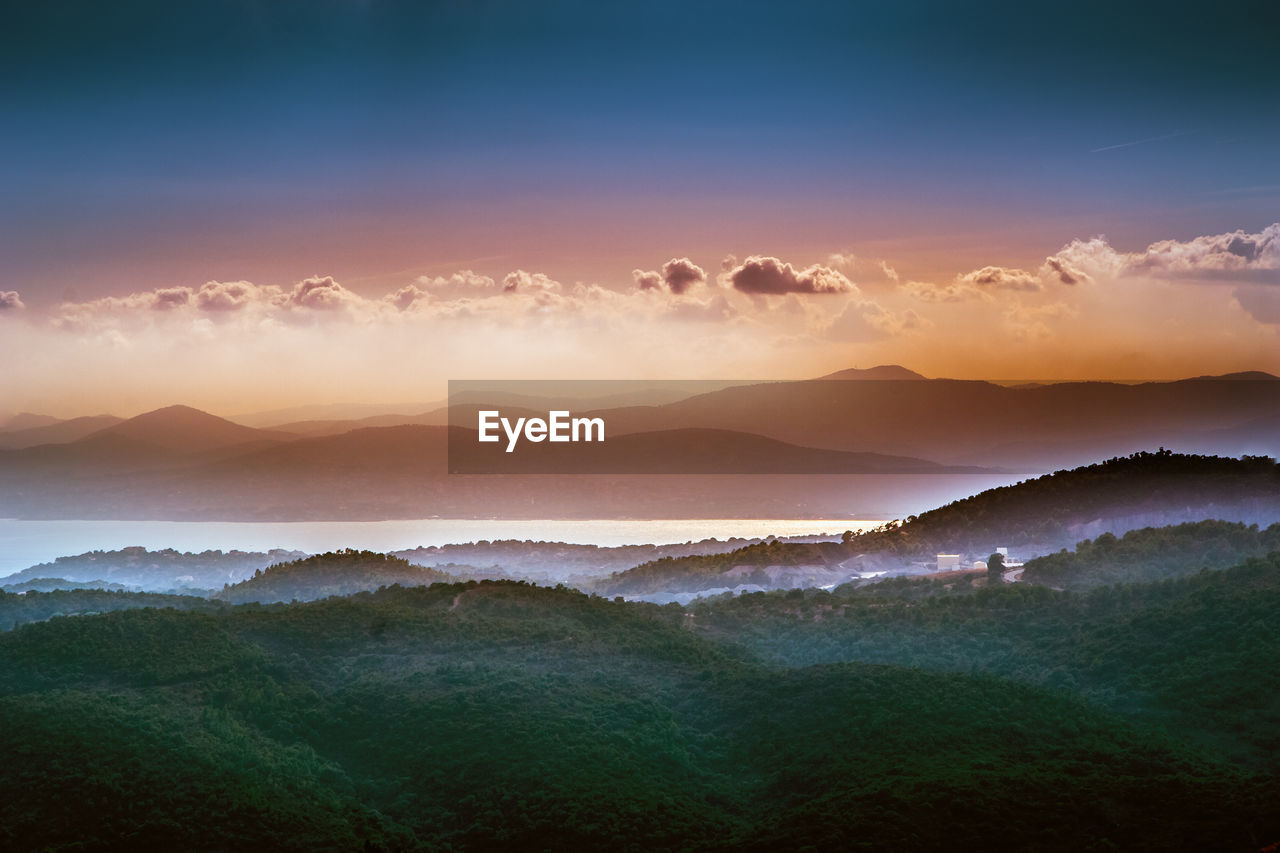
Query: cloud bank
(1211,301)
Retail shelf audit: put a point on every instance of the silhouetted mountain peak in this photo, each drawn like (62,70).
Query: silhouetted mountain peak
(1241,376)
(183,428)
(883,371)
(28,420)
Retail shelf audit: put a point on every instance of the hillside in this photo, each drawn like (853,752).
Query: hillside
(324,575)
(161,570)
(1151,554)
(1195,653)
(1032,517)
(19,607)
(51,584)
(182,428)
(502,716)
(878,373)
(27,420)
(57,432)
(554,562)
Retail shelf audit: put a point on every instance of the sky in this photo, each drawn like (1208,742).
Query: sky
(246,205)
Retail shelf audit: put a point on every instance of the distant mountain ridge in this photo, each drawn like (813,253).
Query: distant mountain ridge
(58,432)
(185,429)
(880,372)
(181,462)
(27,420)
(677,451)
(1242,376)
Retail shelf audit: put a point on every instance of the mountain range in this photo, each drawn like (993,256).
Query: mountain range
(775,449)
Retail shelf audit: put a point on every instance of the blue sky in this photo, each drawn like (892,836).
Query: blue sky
(133,122)
(153,145)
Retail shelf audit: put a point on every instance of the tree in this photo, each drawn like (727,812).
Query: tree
(995,568)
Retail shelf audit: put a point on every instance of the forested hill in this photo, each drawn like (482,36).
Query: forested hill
(1152,553)
(552,562)
(501,716)
(161,570)
(37,606)
(1037,516)
(1196,653)
(334,573)
(1057,510)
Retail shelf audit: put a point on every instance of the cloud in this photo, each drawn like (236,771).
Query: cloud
(860,322)
(765,275)
(213,297)
(1000,278)
(713,310)
(1090,259)
(521,281)
(1060,268)
(222,296)
(842,261)
(678,275)
(927,291)
(322,293)
(978,284)
(681,273)
(1261,303)
(889,272)
(460,282)
(406,297)
(168,298)
(728,262)
(1228,256)
(647,280)
(1237,256)
(10,300)
(1028,322)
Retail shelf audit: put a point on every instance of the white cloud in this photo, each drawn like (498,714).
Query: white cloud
(521,281)
(762,275)
(236,295)
(1233,256)
(843,261)
(1000,278)
(322,293)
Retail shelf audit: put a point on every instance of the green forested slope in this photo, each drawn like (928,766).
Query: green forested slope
(1152,553)
(333,573)
(498,716)
(1040,515)
(1195,654)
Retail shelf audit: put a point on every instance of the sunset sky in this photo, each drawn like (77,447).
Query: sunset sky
(249,205)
